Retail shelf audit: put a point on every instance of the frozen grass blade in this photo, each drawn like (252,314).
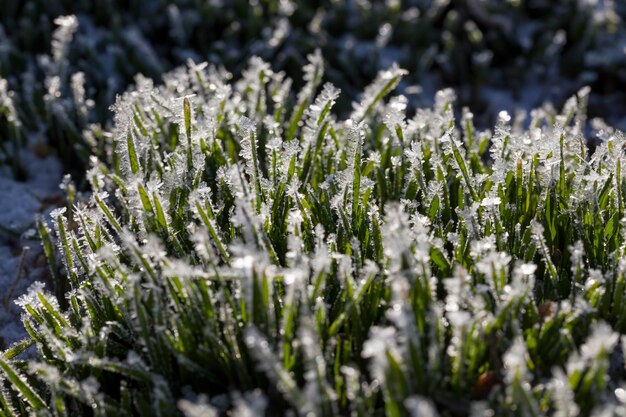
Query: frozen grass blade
(21,385)
(187,118)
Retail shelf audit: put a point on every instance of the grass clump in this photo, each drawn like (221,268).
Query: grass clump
(246,250)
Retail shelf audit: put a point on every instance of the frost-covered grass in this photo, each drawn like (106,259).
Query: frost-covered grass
(247,250)
(65,60)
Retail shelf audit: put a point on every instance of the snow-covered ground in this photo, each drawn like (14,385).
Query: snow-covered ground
(21,258)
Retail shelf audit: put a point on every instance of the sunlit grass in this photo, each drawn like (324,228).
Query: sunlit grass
(246,249)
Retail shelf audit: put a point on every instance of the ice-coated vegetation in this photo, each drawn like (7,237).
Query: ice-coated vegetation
(253,239)
(65,60)
(247,250)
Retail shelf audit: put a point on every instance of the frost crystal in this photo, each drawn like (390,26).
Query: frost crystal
(246,124)
(62,37)
(382,340)
(30,299)
(384,82)
(515,360)
(199,408)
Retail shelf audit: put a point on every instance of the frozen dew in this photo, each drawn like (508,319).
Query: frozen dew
(601,342)
(444,99)
(62,36)
(490,201)
(246,124)
(396,113)
(420,407)
(493,263)
(620,394)
(30,298)
(504,116)
(250,404)
(385,81)
(527,269)
(563,394)
(516,361)
(382,341)
(58,212)
(198,408)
